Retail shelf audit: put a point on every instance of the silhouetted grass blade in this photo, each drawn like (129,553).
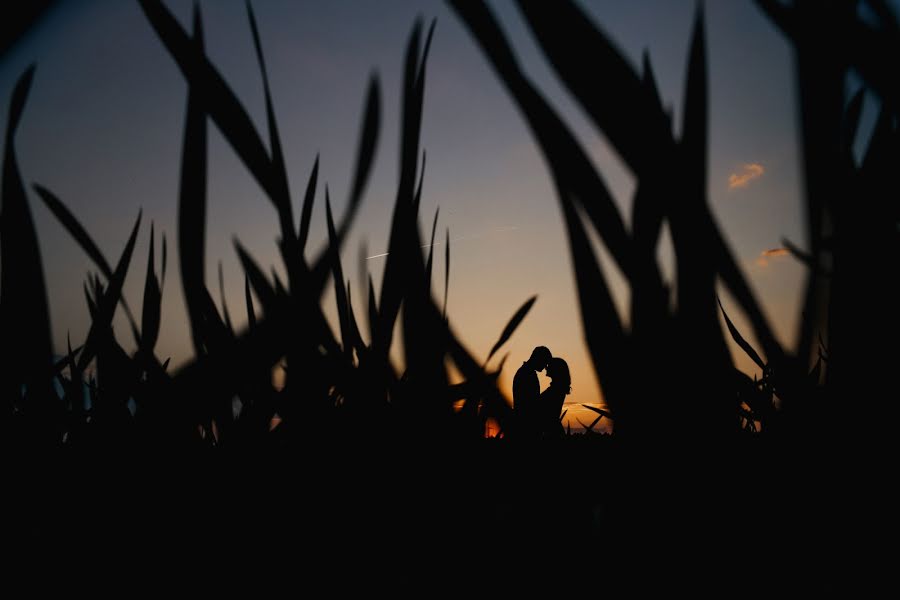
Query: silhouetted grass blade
(739,339)
(610,90)
(24,313)
(364,159)
(106,303)
(338,274)
(225,315)
(251,314)
(261,286)
(446,271)
(214,95)
(428,264)
(151,307)
(511,327)
(192,202)
(75,229)
(279,184)
(308,201)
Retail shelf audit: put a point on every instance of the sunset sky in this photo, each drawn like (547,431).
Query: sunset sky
(103,130)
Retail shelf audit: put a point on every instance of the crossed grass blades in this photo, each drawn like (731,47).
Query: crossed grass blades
(663,362)
(225,396)
(851,211)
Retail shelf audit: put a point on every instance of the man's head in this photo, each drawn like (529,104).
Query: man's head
(540,356)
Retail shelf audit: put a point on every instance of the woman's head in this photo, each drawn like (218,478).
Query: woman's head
(558,371)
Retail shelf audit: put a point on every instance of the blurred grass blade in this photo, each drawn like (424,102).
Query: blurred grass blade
(280,188)
(610,91)
(261,286)
(308,201)
(338,274)
(446,271)
(511,327)
(739,339)
(251,314)
(364,160)
(599,411)
(431,245)
(68,220)
(192,203)
(106,303)
(213,95)
(151,307)
(24,310)
(225,314)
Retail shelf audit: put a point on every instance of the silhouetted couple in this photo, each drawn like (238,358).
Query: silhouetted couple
(537,413)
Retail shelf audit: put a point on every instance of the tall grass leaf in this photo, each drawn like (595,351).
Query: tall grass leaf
(225,314)
(364,160)
(192,202)
(565,157)
(214,95)
(251,314)
(610,90)
(75,229)
(24,311)
(91,304)
(599,411)
(338,274)
(417,198)
(83,238)
(355,333)
(107,301)
(740,341)
(282,197)
(308,201)
(162,276)
(261,286)
(151,307)
(511,327)
(428,264)
(373,311)
(446,271)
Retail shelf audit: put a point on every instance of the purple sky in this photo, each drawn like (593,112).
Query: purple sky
(103,128)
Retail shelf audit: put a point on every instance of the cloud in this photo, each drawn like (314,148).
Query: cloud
(748,173)
(766,255)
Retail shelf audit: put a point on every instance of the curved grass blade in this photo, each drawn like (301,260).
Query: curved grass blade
(308,201)
(213,95)
(338,274)
(151,307)
(225,314)
(257,278)
(107,301)
(610,90)
(24,311)
(511,327)
(251,314)
(192,203)
(364,160)
(431,245)
(446,271)
(279,172)
(740,341)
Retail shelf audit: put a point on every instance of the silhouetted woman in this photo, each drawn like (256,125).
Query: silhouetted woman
(552,398)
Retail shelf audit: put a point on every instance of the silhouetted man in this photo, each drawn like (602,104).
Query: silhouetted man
(526,391)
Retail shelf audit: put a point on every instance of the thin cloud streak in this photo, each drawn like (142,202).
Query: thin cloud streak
(749,172)
(766,255)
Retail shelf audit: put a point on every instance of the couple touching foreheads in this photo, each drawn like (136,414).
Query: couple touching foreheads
(537,413)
